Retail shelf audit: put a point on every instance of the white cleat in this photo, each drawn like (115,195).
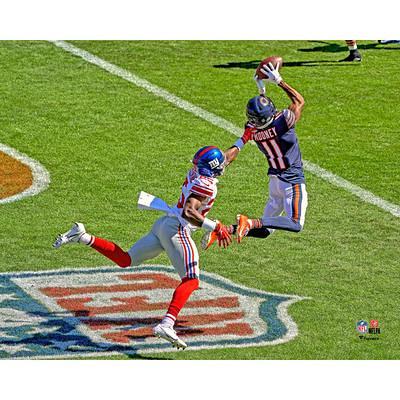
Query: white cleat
(71,236)
(168,333)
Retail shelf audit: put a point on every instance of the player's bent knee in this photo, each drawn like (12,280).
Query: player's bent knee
(194,282)
(297,227)
(134,262)
(124,261)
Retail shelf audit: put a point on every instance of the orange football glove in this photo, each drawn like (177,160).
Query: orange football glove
(223,235)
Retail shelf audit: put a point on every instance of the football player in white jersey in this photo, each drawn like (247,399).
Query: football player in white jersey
(172,233)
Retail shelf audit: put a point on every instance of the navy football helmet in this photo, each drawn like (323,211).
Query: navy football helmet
(260,111)
(210,161)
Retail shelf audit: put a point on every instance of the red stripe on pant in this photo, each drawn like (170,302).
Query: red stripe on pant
(112,251)
(191,265)
(182,240)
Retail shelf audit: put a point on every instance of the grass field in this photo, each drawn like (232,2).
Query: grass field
(103,140)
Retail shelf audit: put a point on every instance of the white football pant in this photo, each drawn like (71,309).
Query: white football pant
(167,234)
(288,197)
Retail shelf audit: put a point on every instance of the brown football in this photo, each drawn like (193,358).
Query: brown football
(276,61)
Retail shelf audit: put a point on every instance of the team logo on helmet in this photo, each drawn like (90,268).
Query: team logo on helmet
(260,111)
(209,161)
(214,163)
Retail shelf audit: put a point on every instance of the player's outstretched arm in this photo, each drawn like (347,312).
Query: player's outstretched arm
(297,99)
(232,152)
(191,214)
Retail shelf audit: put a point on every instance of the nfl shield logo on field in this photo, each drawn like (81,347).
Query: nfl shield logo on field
(107,310)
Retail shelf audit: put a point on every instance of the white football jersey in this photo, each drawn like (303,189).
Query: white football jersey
(197,184)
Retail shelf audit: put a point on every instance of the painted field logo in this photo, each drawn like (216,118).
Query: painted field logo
(104,311)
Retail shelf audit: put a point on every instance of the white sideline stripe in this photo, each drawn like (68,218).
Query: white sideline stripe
(40,175)
(333,179)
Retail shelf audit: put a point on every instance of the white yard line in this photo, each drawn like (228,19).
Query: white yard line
(40,176)
(328,176)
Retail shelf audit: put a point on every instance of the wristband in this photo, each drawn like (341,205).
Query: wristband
(209,224)
(239,143)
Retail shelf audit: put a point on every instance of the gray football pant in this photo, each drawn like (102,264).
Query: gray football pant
(167,234)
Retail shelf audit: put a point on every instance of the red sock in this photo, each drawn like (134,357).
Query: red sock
(112,251)
(180,297)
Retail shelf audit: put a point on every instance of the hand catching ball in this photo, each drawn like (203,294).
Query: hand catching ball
(276,61)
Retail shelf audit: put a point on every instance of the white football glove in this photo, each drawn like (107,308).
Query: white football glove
(272,73)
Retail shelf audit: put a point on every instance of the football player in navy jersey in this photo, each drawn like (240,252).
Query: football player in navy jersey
(274,133)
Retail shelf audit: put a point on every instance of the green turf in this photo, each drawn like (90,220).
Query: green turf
(103,140)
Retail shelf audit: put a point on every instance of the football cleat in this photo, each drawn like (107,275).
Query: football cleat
(353,56)
(388,41)
(71,236)
(168,333)
(243,227)
(208,239)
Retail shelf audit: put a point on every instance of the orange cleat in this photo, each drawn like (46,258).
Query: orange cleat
(243,227)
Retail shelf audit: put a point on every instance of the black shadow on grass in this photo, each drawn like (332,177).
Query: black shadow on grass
(254,64)
(326,47)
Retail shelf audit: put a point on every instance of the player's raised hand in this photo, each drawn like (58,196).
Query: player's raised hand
(271,73)
(260,85)
(223,235)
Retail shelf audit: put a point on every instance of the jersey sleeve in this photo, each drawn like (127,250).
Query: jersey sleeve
(249,130)
(290,118)
(202,187)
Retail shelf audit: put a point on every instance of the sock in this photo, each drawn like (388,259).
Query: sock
(255,223)
(262,232)
(111,251)
(179,299)
(351,44)
(232,229)
(86,238)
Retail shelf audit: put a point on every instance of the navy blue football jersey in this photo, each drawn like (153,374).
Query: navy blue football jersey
(279,143)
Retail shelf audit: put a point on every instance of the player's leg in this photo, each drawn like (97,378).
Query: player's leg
(274,207)
(184,256)
(147,247)
(295,205)
(354,54)
(78,234)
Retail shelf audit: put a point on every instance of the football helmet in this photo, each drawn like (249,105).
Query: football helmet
(210,161)
(260,111)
